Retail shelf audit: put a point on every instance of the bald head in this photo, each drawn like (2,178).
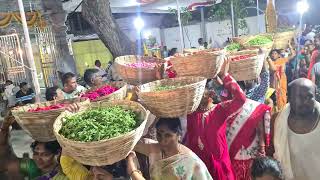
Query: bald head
(302,96)
(301,82)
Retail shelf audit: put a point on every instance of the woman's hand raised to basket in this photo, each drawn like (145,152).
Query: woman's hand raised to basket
(159,71)
(7,122)
(132,170)
(225,68)
(74,107)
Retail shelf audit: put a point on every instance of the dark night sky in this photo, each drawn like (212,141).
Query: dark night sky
(289,7)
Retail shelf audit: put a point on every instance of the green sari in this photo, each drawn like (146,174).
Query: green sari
(180,167)
(30,170)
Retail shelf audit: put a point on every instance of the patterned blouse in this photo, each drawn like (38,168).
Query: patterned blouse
(258,92)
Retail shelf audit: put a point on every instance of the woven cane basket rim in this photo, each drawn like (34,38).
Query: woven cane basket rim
(195,80)
(39,124)
(125,143)
(281,39)
(240,69)
(158,101)
(136,76)
(205,63)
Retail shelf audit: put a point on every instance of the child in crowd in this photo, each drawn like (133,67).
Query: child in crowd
(266,168)
(303,69)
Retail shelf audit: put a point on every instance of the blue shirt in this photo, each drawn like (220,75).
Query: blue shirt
(258,93)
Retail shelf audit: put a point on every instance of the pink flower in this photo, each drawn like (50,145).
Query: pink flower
(47,108)
(103,91)
(142,64)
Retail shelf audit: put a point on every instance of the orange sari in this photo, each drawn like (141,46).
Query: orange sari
(279,82)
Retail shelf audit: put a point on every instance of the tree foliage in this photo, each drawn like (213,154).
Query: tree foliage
(222,11)
(185,15)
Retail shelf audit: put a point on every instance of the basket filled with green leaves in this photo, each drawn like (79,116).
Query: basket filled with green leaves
(172,97)
(103,134)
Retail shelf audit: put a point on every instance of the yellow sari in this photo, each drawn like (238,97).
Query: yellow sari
(74,170)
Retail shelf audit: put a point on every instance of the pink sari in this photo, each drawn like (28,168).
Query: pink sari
(242,137)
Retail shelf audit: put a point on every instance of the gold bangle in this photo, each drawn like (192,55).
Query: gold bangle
(138,171)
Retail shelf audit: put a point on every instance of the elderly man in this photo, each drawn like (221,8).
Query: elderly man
(297,133)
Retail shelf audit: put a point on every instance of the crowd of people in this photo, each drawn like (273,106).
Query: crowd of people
(258,129)
(18,96)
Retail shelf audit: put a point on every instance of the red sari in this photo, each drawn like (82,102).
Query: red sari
(170,72)
(243,138)
(314,56)
(206,132)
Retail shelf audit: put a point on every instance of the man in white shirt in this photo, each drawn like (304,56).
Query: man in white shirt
(9,93)
(101,72)
(201,44)
(71,89)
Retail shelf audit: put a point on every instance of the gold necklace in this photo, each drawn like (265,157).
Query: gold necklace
(208,107)
(164,155)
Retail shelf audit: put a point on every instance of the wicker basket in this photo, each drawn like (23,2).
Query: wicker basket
(247,69)
(39,124)
(120,94)
(135,76)
(241,39)
(282,39)
(104,152)
(176,102)
(201,64)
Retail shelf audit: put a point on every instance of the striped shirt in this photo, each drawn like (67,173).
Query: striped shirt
(25,98)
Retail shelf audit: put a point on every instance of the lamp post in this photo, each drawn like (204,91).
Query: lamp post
(180,26)
(29,51)
(302,7)
(258,16)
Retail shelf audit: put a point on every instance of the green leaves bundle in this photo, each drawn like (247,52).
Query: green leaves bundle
(164,88)
(260,40)
(233,47)
(167,87)
(99,124)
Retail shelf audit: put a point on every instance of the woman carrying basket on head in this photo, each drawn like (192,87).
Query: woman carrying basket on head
(43,166)
(206,128)
(279,78)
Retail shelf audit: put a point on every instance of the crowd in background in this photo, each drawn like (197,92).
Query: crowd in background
(236,132)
